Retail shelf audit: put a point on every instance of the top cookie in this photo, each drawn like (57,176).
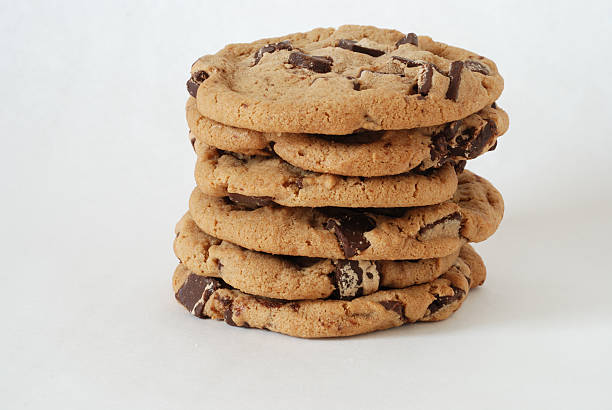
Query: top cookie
(337,81)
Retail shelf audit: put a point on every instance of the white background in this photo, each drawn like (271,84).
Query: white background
(96,168)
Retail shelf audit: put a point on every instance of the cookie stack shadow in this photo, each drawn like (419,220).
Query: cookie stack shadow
(331,195)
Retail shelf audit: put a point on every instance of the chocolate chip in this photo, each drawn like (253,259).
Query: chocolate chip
(395,306)
(194,82)
(195,292)
(347,278)
(424,79)
(476,67)
(301,261)
(349,228)
(448,219)
(318,64)
(353,46)
(408,62)
(442,301)
(480,140)
(250,202)
(270,48)
(455,80)
(227,311)
(193,140)
(409,38)
(494,105)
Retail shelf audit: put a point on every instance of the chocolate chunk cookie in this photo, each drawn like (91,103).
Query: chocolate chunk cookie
(367,154)
(207,297)
(473,214)
(338,81)
(222,173)
(295,277)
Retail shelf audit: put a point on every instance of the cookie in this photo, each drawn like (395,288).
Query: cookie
(256,223)
(222,173)
(367,154)
(293,278)
(338,81)
(207,297)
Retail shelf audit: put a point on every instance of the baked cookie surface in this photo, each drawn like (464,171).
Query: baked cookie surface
(207,297)
(221,173)
(337,81)
(293,278)
(367,154)
(256,223)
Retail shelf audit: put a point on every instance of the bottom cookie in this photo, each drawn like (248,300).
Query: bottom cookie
(207,297)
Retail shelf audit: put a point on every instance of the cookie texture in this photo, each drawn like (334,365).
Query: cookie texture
(207,297)
(337,81)
(367,154)
(294,278)
(473,214)
(221,173)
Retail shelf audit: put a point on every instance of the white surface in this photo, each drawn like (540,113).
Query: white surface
(95,170)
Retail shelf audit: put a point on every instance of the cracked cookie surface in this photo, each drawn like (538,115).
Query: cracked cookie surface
(337,81)
(256,223)
(367,154)
(294,278)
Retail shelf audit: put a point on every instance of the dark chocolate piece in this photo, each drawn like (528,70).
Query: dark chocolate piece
(395,306)
(318,64)
(425,79)
(349,228)
(353,46)
(194,82)
(270,48)
(477,67)
(196,291)
(442,301)
(227,311)
(347,275)
(409,38)
(455,80)
(250,202)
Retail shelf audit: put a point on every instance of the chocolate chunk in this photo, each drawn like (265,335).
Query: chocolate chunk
(480,140)
(349,228)
(270,48)
(448,219)
(494,105)
(442,301)
(194,82)
(409,38)
(318,64)
(441,141)
(301,261)
(395,306)
(250,202)
(228,311)
(455,80)
(408,62)
(196,291)
(424,79)
(353,46)
(347,278)
(477,67)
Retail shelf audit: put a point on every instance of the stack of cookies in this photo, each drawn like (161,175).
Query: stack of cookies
(331,194)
